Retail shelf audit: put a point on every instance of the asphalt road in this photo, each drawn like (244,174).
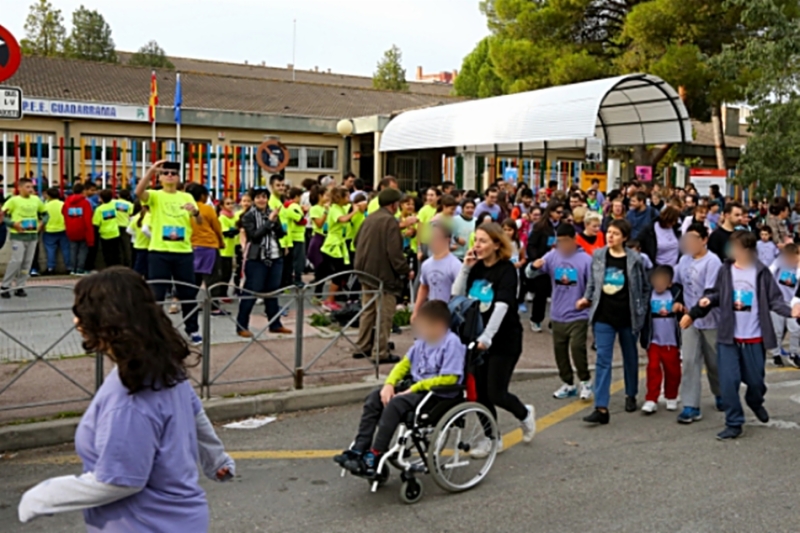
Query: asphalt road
(639,474)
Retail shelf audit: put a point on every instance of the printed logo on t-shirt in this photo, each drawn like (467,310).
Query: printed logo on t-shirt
(661,308)
(173,233)
(788,278)
(566,275)
(614,281)
(482,291)
(28,224)
(551,241)
(743,295)
(75,212)
(108,215)
(121,207)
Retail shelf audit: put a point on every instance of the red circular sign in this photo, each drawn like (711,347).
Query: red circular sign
(10,54)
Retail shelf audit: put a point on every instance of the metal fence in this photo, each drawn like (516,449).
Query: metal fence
(43,365)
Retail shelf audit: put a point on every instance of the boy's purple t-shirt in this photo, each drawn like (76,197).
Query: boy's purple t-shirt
(745,303)
(767,252)
(445,358)
(493,210)
(667,249)
(663,319)
(569,275)
(786,277)
(148,440)
(439,276)
(696,276)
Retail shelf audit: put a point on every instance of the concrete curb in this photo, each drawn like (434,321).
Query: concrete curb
(54,432)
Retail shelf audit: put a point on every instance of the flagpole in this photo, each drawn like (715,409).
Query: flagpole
(178,103)
(153,104)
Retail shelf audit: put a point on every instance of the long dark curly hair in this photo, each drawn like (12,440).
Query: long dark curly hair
(117,315)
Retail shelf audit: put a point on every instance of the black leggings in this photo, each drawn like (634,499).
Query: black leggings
(493,377)
(541,288)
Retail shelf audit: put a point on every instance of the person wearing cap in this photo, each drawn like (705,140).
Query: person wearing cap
(379,255)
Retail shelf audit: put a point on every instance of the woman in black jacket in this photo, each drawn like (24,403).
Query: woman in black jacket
(541,240)
(263,265)
(660,241)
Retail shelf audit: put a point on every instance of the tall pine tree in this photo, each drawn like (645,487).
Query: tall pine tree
(391,75)
(44,30)
(90,38)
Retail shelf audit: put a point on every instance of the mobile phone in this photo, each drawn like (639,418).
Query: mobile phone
(171,165)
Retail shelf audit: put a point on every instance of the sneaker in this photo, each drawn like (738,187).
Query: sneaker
(370,462)
(528,297)
(598,417)
(566,391)
(529,425)
(586,390)
(777,360)
(484,447)
(81,273)
(729,433)
(345,456)
(784,353)
(672,405)
(689,415)
(762,414)
(795,360)
(20,293)
(6,294)
(34,273)
(536,327)
(331,306)
(630,404)
(718,403)
(196,339)
(649,408)
(523,308)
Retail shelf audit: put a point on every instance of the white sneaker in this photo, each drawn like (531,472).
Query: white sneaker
(536,327)
(672,405)
(586,390)
(649,408)
(529,425)
(528,297)
(484,448)
(565,391)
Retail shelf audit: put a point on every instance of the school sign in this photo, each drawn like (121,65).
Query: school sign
(83,110)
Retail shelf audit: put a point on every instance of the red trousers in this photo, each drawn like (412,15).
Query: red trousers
(663,363)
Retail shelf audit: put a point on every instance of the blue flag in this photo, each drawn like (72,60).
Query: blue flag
(178,100)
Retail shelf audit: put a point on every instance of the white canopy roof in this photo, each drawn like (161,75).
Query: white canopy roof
(624,111)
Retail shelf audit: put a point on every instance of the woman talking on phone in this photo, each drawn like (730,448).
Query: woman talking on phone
(489,276)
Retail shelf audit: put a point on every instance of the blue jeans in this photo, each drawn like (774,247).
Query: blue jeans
(604,336)
(260,278)
(737,363)
(166,266)
(52,242)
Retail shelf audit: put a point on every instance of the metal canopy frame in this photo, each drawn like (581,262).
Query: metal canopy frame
(636,109)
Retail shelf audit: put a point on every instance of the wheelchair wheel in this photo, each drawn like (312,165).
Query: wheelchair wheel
(411,491)
(456,434)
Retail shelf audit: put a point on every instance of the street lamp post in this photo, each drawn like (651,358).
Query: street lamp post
(345,129)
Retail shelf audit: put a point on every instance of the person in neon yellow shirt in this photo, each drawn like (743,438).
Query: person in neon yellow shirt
(139,230)
(22,213)
(389,182)
(424,217)
(170,255)
(230,236)
(124,208)
(318,216)
(334,249)
(245,203)
(55,231)
(355,223)
(105,218)
(296,220)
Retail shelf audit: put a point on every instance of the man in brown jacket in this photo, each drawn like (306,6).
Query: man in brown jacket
(379,255)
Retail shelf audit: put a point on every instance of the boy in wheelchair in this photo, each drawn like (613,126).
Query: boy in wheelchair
(436,359)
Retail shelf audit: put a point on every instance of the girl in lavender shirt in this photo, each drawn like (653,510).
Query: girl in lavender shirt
(143,434)
(660,240)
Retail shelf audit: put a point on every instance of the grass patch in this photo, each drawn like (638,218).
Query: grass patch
(320,320)
(247,394)
(402,318)
(58,416)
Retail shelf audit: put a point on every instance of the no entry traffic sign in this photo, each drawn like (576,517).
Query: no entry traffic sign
(10,54)
(272,156)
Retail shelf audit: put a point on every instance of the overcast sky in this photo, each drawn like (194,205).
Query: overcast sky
(347,36)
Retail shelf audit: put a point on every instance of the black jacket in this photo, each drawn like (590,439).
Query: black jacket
(538,241)
(646,335)
(649,241)
(255,235)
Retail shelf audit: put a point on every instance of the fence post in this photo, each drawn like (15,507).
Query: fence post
(377,346)
(98,371)
(205,386)
(298,338)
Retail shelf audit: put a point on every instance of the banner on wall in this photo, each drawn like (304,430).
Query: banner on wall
(588,175)
(644,173)
(704,178)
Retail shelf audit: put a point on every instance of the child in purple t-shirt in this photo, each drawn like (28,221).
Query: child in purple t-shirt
(786,273)
(439,271)
(436,359)
(766,248)
(569,268)
(662,340)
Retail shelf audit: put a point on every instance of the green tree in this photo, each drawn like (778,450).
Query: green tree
(90,38)
(44,30)
(391,75)
(151,55)
(476,77)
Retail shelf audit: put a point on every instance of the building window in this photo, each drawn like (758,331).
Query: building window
(312,158)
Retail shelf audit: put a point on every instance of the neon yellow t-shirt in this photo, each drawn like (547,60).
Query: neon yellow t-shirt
(408,242)
(228,223)
(373,206)
(171,226)
(105,218)
(334,244)
(355,225)
(26,211)
(315,213)
(124,211)
(294,214)
(276,204)
(425,216)
(55,220)
(140,240)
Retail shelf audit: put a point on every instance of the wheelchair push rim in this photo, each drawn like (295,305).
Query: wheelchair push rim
(457,433)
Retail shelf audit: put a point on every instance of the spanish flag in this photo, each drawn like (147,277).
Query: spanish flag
(153,97)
